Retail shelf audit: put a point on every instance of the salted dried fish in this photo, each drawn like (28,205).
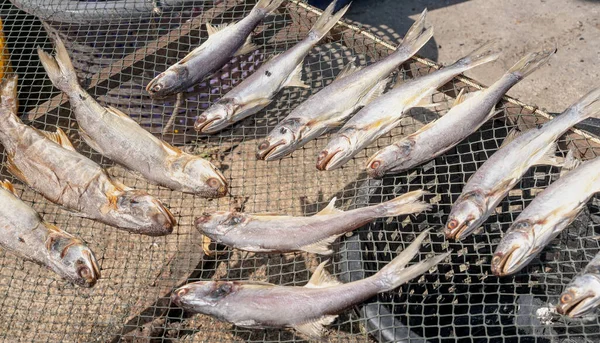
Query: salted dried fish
(547,216)
(27,235)
(307,309)
(224,41)
(503,170)
(257,91)
(385,112)
(582,294)
(465,117)
(352,89)
(277,233)
(48,163)
(115,135)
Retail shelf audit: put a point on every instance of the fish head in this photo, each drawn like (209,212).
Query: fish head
(201,177)
(71,258)
(217,224)
(395,157)
(144,212)
(339,150)
(581,296)
(280,142)
(465,216)
(515,250)
(167,83)
(216,117)
(204,296)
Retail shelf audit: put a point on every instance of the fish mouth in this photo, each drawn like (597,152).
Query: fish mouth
(166,226)
(177,295)
(500,266)
(575,306)
(203,126)
(324,158)
(266,152)
(456,233)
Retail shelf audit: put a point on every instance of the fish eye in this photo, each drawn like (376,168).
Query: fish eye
(566,298)
(375,164)
(453,224)
(264,145)
(84,272)
(221,291)
(213,183)
(234,220)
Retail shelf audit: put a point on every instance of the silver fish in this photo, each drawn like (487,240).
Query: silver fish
(503,170)
(118,137)
(274,233)
(330,107)
(385,112)
(257,91)
(224,41)
(307,309)
(48,163)
(582,294)
(465,117)
(27,235)
(546,217)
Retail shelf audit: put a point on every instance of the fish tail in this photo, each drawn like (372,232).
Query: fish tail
(267,6)
(418,34)
(8,96)
(404,204)
(484,54)
(59,69)
(531,62)
(327,20)
(589,105)
(396,273)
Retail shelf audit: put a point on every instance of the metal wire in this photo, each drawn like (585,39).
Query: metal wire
(458,301)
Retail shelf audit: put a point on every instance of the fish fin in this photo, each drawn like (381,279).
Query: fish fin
(530,63)
(514,133)
(191,55)
(375,92)
(212,29)
(549,157)
(9,187)
(60,70)
(14,170)
(90,141)
(321,278)
(322,247)
(171,149)
(327,20)
(267,6)
(118,113)
(589,104)
(349,68)
(295,78)
(404,204)
(257,283)
(460,98)
(8,93)
(416,36)
(315,328)
(483,54)
(59,137)
(248,47)
(330,209)
(571,162)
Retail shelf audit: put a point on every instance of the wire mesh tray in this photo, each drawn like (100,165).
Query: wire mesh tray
(458,301)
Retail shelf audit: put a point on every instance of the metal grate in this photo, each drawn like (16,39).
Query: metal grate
(458,301)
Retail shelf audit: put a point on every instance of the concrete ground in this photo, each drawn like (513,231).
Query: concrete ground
(521,26)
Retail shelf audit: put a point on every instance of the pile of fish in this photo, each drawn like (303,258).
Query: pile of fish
(357,104)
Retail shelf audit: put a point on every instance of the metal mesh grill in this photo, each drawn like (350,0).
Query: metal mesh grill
(117,55)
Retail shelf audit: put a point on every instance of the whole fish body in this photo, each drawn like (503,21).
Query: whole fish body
(330,107)
(27,235)
(503,170)
(115,135)
(307,309)
(384,113)
(48,163)
(224,42)
(257,91)
(582,294)
(546,217)
(464,118)
(273,233)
